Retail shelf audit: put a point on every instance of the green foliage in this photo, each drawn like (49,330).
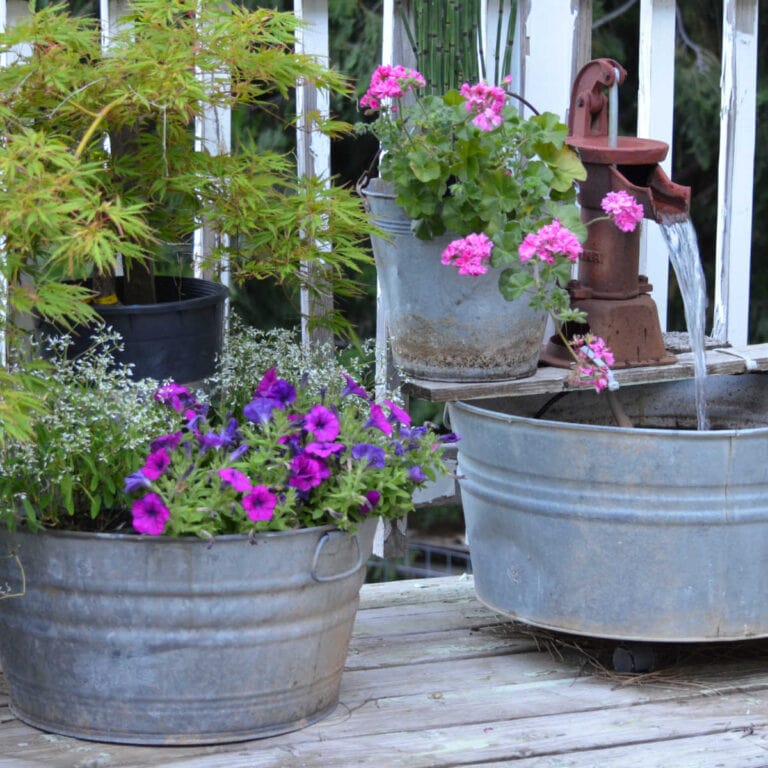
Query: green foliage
(450,175)
(65,467)
(74,205)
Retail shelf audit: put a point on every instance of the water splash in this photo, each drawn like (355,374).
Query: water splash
(683,246)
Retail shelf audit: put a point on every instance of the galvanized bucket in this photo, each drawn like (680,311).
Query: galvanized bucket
(141,640)
(443,326)
(658,533)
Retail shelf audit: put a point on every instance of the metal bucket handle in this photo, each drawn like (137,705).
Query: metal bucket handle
(324,539)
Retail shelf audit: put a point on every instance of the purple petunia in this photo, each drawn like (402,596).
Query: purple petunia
(373,454)
(323,423)
(236,479)
(169,442)
(307,472)
(416,475)
(157,462)
(353,388)
(150,514)
(324,450)
(371,500)
(136,482)
(378,420)
(398,414)
(260,503)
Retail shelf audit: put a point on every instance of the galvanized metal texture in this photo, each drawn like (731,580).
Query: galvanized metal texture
(145,640)
(657,533)
(444,326)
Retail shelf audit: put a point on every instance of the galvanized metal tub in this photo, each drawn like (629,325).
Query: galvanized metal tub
(143,640)
(658,533)
(443,326)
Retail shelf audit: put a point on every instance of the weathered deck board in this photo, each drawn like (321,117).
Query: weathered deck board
(435,679)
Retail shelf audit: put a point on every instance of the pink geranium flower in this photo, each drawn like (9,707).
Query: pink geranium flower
(549,241)
(470,254)
(625,211)
(391,82)
(487,104)
(594,363)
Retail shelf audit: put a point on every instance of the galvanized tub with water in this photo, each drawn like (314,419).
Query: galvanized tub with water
(443,326)
(657,533)
(134,639)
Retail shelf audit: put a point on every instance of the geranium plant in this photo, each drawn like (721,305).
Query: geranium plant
(469,164)
(294,460)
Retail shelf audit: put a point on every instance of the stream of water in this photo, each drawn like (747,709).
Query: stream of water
(683,246)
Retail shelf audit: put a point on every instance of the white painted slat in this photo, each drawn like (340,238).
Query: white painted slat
(655,110)
(546,36)
(736,170)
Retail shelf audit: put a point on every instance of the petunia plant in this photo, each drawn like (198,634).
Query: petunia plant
(469,164)
(291,460)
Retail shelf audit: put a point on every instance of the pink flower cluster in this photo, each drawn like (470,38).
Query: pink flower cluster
(549,241)
(626,212)
(470,254)
(487,102)
(595,361)
(388,82)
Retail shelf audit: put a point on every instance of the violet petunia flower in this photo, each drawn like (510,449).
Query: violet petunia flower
(324,450)
(175,395)
(353,388)
(150,514)
(136,482)
(398,414)
(259,410)
(416,475)
(169,442)
(371,500)
(373,454)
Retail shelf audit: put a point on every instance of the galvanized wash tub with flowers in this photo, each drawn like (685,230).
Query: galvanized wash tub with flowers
(656,532)
(222,607)
(464,178)
(159,640)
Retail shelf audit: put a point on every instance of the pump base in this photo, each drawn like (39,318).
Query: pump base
(630,328)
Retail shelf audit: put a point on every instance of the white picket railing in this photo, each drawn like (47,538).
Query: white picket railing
(552,42)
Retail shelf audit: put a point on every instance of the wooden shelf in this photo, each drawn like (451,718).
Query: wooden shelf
(549,380)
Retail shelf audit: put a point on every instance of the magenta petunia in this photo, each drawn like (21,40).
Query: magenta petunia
(353,388)
(307,472)
(378,420)
(323,423)
(324,450)
(150,514)
(260,503)
(157,462)
(398,414)
(236,479)
(371,500)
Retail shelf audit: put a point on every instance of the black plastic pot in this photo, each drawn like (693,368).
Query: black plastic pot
(179,337)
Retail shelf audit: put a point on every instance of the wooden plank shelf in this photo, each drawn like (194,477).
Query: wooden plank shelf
(549,380)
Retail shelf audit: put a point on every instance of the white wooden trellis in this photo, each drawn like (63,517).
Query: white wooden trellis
(552,41)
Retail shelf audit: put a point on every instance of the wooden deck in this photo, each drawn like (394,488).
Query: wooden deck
(436,679)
